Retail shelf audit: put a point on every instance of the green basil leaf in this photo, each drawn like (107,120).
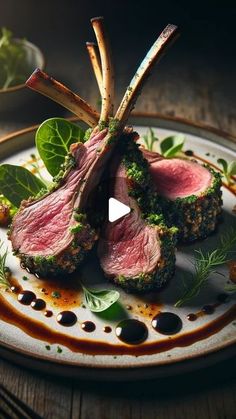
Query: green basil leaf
(100,300)
(170,146)
(224,165)
(53,140)
(18,183)
(232,168)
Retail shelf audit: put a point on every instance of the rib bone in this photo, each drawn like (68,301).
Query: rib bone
(56,91)
(136,84)
(107,69)
(95,61)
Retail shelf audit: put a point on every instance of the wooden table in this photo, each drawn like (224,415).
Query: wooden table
(191,83)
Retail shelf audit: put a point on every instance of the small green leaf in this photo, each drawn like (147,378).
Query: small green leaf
(14,65)
(100,300)
(150,139)
(224,164)
(232,168)
(170,146)
(53,140)
(18,183)
(230,287)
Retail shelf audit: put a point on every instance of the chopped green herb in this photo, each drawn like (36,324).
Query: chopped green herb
(56,294)
(59,350)
(25,278)
(48,347)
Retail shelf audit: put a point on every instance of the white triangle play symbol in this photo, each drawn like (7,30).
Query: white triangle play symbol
(116,209)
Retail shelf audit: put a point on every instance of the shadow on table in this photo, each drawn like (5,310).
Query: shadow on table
(199,381)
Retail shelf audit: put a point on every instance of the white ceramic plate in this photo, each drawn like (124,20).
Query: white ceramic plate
(20,346)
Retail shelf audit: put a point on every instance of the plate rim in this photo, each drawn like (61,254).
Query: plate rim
(228,348)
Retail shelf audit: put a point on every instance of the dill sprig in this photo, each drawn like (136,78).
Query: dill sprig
(206,264)
(4,270)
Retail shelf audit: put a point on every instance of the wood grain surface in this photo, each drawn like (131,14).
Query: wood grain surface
(191,82)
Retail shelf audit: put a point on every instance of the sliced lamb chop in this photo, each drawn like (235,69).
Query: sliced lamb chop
(191,194)
(51,234)
(138,250)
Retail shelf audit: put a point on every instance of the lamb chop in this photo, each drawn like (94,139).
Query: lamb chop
(51,234)
(138,250)
(191,193)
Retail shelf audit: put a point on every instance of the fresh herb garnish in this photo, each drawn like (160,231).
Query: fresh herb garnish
(230,287)
(48,347)
(18,183)
(59,350)
(4,270)
(150,139)
(169,146)
(172,145)
(99,300)
(56,294)
(206,264)
(14,67)
(53,139)
(229,169)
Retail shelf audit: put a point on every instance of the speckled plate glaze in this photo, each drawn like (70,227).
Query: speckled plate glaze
(21,347)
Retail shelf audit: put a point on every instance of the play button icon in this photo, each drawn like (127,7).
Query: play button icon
(116,210)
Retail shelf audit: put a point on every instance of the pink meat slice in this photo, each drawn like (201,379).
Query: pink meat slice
(42,227)
(177,178)
(129,246)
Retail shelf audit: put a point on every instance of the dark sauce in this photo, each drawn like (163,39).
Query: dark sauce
(209,309)
(26,297)
(88,326)
(131,331)
(67,318)
(15,289)
(107,329)
(189,153)
(40,331)
(48,313)
(192,317)
(38,304)
(167,323)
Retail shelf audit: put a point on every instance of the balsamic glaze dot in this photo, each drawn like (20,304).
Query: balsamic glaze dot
(48,313)
(208,309)
(107,329)
(191,317)
(167,323)
(132,331)
(38,304)
(15,289)
(26,297)
(88,326)
(67,318)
